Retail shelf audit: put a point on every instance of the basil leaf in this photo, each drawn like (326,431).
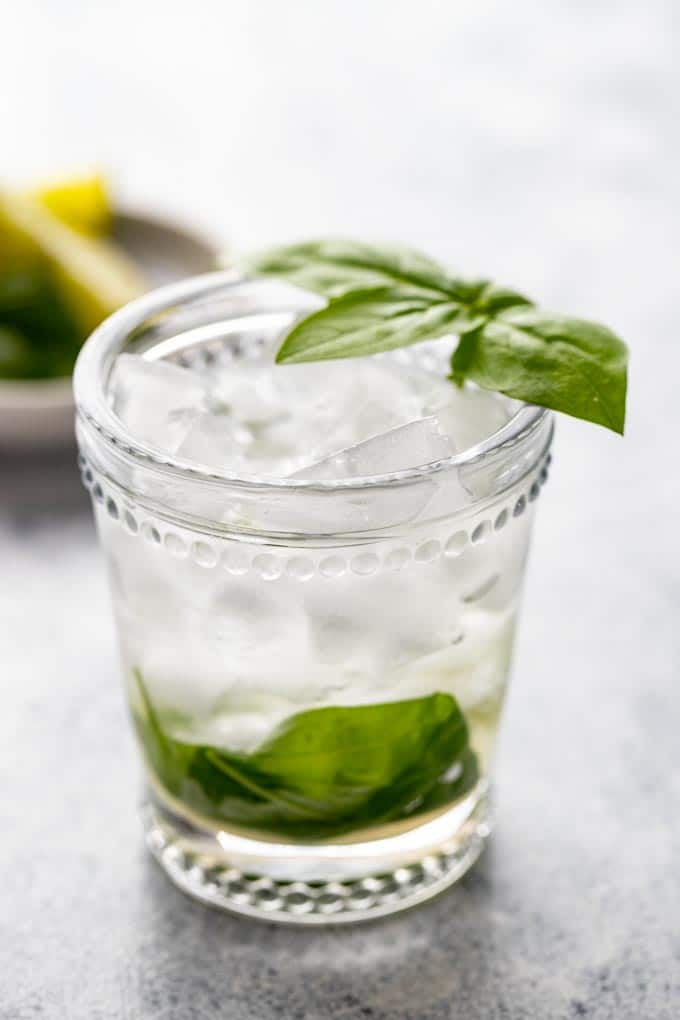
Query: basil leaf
(450,787)
(168,758)
(566,364)
(333,267)
(383,298)
(492,299)
(364,746)
(383,318)
(323,772)
(368,322)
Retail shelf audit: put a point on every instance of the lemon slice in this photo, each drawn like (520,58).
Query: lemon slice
(82,203)
(93,277)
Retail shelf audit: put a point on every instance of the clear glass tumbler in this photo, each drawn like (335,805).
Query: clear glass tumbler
(365,626)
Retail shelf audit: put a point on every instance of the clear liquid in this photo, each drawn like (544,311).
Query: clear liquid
(313,691)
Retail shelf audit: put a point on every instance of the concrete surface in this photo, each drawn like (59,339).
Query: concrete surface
(538,143)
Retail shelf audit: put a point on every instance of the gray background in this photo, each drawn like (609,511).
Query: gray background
(537,143)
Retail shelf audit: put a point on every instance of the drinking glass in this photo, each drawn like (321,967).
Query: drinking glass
(362,627)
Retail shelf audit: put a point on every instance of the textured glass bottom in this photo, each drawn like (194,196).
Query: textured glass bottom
(342,883)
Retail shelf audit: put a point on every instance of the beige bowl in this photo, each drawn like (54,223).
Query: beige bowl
(37,414)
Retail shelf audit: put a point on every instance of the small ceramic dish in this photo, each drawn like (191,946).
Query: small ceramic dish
(37,414)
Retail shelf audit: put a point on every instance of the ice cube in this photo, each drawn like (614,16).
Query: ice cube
(378,397)
(260,635)
(343,639)
(156,400)
(472,668)
(368,627)
(469,415)
(216,442)
(411,445)
(236,729)
(248,393)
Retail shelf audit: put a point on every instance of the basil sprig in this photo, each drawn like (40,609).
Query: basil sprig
(383,298)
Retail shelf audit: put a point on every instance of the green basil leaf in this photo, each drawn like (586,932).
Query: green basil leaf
(565,364)
(493,299)
(168,758)
(332,267)
(323,772)
(370,321)
(450,787)
(364,746)
(383,298)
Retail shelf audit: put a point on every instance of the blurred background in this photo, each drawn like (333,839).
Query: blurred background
(537,144)
(488,133)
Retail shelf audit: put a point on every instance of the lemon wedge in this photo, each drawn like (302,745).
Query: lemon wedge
(93,277)
(82,203)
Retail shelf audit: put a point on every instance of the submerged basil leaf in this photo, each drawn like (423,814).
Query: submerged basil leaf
(323,772)
(168,758)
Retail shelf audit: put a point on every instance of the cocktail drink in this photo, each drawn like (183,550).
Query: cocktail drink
(315,572)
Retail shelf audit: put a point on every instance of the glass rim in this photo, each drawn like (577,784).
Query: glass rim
(102,347)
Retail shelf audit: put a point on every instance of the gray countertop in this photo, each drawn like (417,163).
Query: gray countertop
(545,147)
(573,911)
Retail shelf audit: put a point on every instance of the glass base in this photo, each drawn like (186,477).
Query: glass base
(336,883)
